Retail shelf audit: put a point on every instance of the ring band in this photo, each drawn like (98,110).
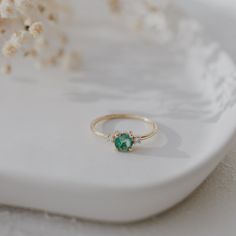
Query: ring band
(124,141)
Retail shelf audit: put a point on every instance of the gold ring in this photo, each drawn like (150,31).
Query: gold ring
(124,141)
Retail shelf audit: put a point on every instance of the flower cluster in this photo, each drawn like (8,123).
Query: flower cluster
(33,29)
(155,18)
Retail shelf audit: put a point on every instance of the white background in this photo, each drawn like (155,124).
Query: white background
(210,210)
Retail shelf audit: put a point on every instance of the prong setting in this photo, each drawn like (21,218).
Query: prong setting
(123,141)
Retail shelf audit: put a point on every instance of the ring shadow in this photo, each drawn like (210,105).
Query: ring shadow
(166,144)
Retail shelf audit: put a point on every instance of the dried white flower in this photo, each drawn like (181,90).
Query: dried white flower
(7,9)
(9,49)
(36,29)
(27,28)
(19,38)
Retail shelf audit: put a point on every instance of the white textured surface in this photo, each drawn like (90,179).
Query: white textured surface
(210,210)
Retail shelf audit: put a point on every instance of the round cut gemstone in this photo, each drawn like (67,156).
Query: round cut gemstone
(124,142)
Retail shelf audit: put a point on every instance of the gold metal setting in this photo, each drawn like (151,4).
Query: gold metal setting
(135,138)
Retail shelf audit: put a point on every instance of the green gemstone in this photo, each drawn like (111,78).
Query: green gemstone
(124,142)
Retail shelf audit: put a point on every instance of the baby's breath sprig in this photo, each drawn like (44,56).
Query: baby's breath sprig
(33,29)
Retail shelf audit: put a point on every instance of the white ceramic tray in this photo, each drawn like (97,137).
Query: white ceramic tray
(51,161)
